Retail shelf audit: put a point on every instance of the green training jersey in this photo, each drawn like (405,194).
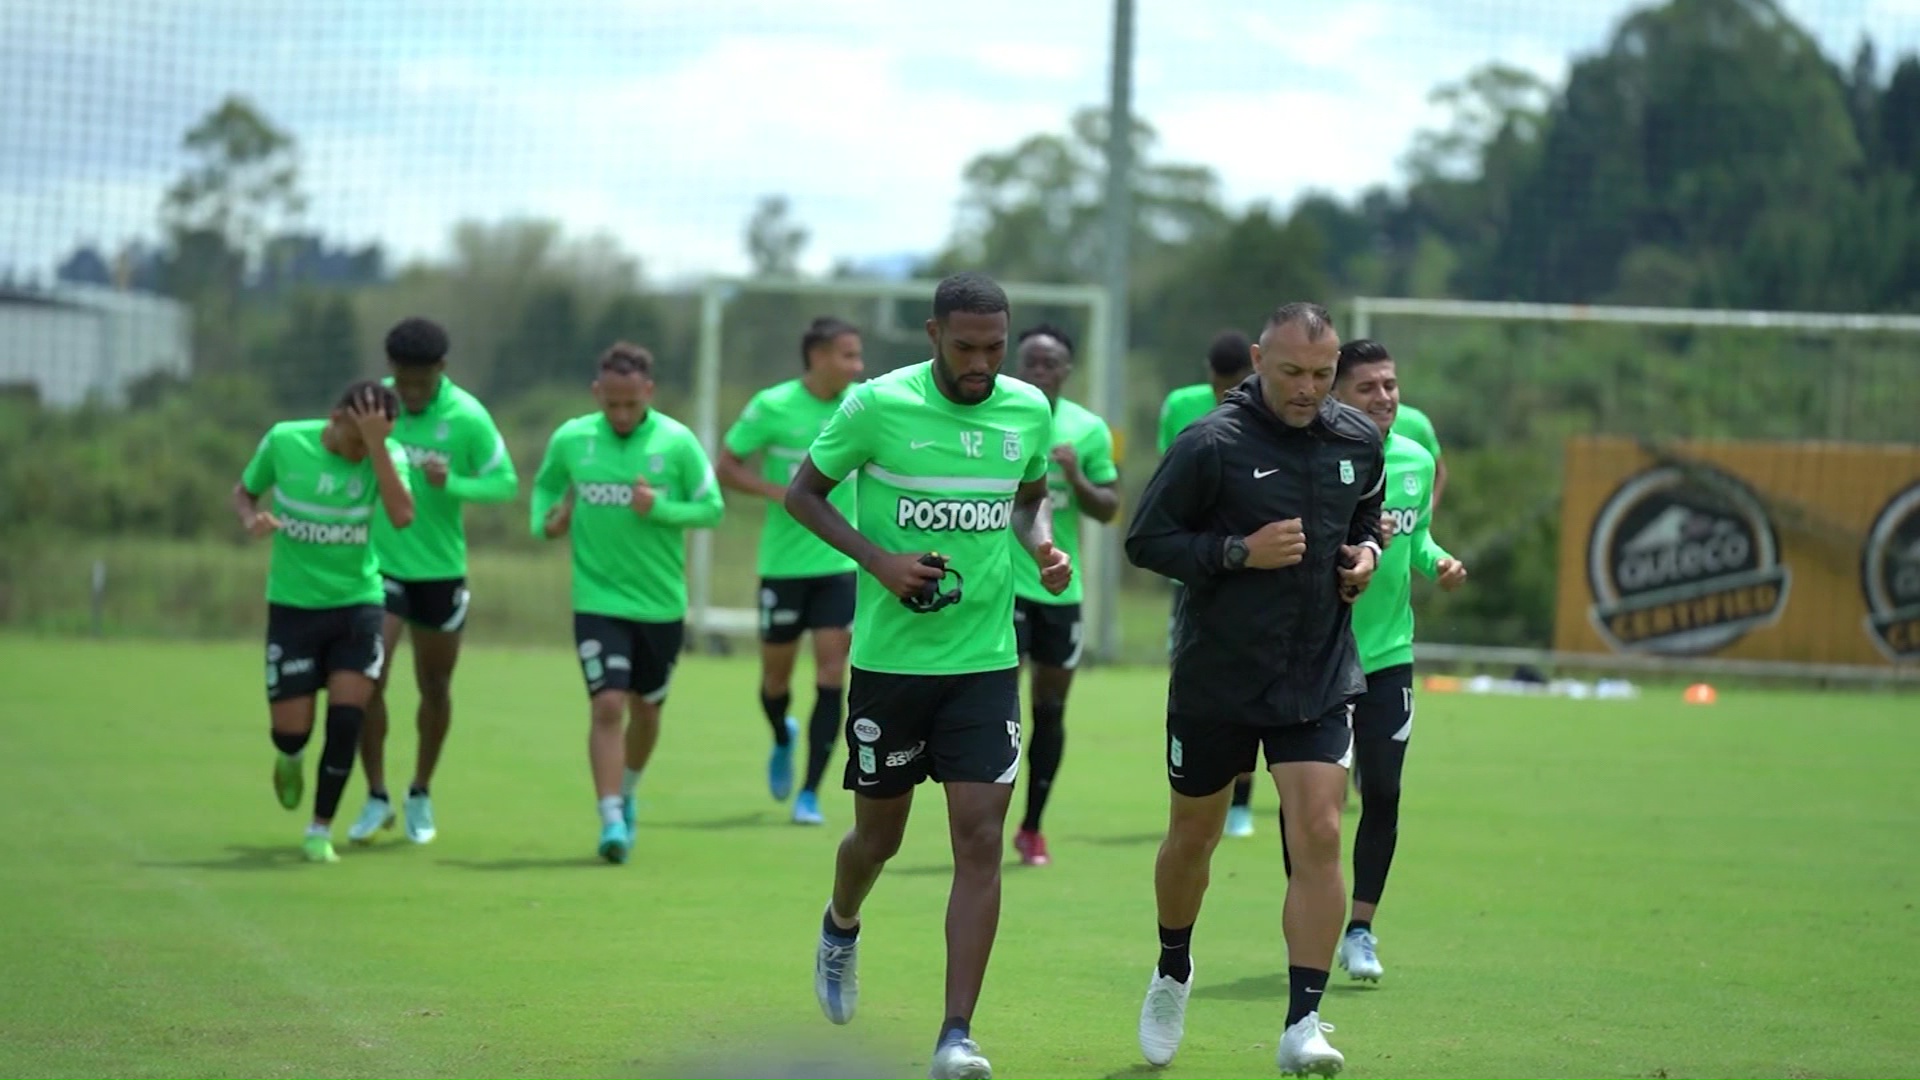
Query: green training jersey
(1073,425)
(321,554)
(1383,615)
(937,476)
(456,430)
(779,424)
(628,565)
(1413,424)
(1182,407)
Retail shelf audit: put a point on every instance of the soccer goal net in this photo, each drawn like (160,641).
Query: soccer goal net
(749,339)
(1669,489)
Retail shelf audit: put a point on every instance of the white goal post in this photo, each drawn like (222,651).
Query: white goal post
(1366,308)
(1100,547)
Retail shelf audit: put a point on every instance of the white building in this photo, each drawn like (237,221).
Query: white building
(73,342)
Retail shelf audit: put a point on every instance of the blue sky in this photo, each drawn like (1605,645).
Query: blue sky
(660,122)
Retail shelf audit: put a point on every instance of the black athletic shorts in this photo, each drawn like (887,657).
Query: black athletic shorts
(907,728)
(1385,711)
(625,654)
(430,605)
(1048,633)
(1204,755)
(791,606)
(305,645)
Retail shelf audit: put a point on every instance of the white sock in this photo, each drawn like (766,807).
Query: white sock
(317,829)
(611,811)
(630,782)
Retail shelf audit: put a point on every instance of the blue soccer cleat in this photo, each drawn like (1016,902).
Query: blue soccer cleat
(780,764)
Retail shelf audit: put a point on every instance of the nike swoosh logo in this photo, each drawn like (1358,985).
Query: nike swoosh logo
(920,445)
(1259,474)
(864,782)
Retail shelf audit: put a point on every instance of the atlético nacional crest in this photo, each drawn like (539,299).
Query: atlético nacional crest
(354,488)
(1010,446)
(1411,483)
(440,433)
(1346,471)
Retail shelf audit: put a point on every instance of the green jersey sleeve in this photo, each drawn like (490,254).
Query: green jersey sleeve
(845,443)
(486,469)
(750,433)
(1413,424)
(257,477)
(550,484)
(704,505)
(1168,427)
(1096,456)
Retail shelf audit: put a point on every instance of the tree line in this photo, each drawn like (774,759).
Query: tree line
(1709,155)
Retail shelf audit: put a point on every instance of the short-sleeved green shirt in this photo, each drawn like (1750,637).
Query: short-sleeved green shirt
(1182,407)
(626,565)
(937,476)
(779,424)
(322,555)
(1073,425)
(458,431)
(1413,424)
(1383,615)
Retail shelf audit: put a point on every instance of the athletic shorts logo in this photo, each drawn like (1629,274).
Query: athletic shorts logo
(953,515)
(603,494)
(1683,562)
(1890,577)
(905,757)
(867,763)
(589,649)
(866,730)
(315,532)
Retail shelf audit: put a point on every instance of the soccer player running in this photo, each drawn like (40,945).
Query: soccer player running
(1229,362)
(1268,509)
(623,484)
(457,456)
(323,584)
(804,584)
(1081,479)
(1383,630)
(952,458)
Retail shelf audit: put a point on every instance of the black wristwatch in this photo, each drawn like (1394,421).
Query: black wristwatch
(1234,555)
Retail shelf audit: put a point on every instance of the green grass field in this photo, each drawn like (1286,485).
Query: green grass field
(1638,889)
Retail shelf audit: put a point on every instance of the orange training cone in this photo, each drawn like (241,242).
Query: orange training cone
(1700,694)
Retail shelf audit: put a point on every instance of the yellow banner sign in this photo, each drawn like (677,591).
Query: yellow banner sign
(1804,552)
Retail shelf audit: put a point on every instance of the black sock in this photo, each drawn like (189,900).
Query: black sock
(956,1027)
(833,930)
(823,733)
(776,708)
(414,791)
(378,793)
(1365,925)
(291,744)
(336,757)
(1308,984)
(1176,956)
(1049,745)
(1243,792)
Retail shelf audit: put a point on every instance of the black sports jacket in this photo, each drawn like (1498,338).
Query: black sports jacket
(1261,647)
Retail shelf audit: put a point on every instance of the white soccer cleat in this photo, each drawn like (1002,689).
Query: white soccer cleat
(959,1059)
(1357,956)
(836,979)
(1163,1016)
(1239,821)
(375,816)
(1304,1050)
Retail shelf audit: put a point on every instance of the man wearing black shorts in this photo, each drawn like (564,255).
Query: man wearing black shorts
(1268,510)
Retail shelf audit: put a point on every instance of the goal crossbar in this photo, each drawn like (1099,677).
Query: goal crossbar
(1366,307)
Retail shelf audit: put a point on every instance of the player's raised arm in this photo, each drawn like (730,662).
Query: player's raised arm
(704,505)
(373,416)
(1169,535)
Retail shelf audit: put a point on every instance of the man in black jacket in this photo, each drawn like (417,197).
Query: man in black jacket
(1268,511)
